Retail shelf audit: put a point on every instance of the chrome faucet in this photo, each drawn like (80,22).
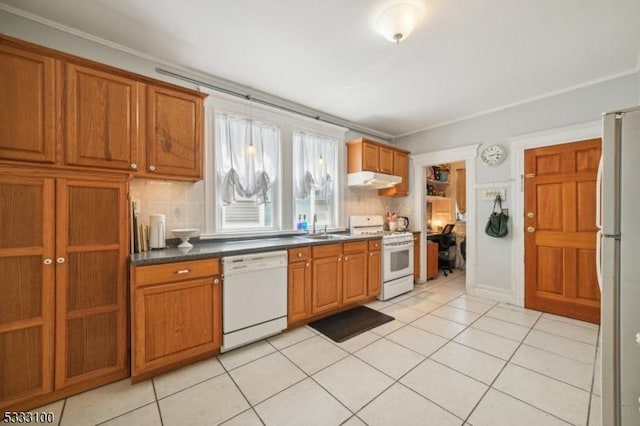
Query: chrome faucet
(315,219)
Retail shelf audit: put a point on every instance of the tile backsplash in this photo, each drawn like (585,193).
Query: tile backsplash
(181,202)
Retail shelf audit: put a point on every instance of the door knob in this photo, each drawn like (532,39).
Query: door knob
(531,229)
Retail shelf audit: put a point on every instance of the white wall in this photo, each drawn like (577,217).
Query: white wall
(494,256)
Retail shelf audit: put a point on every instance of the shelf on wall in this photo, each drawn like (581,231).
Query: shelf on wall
(438,182)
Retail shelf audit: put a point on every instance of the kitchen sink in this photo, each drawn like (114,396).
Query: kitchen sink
(323,237)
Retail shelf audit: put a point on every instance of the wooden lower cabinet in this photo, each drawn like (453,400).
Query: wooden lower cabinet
(354,272)
(55,258)
(374,273)
(322,279)
(432,260)
(299,291)
(176,315)
(326,284)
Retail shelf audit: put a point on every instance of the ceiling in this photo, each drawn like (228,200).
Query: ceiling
(464,58)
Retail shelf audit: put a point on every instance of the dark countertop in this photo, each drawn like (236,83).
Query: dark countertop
(213,248)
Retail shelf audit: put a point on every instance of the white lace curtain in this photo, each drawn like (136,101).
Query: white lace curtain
(314,162)
(247,155)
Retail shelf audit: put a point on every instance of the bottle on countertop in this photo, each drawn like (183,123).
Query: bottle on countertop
(299,224)
(305,225)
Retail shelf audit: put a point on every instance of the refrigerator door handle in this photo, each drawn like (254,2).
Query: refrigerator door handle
(599,259)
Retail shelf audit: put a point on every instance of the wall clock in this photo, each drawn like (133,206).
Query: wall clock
(493,155)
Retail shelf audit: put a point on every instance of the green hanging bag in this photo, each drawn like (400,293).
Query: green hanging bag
(497,224)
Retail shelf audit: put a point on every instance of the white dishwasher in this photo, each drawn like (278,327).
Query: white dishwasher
(254,297)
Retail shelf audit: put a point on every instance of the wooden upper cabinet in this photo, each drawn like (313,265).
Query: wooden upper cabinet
(174,133)
(27,288)
(27,113)
(370,157)
(366,155)
(400,168)
(101,112)
(386,160)
(91,257)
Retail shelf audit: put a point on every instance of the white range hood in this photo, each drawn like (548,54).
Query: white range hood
(372,180)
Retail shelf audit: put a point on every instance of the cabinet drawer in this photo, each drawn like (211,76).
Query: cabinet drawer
(176,271)
(355,247)
(299,254)
(326,251)
(375,244)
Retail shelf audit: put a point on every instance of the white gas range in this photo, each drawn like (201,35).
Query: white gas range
(397,254)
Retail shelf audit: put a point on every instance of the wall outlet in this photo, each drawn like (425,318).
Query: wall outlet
(136,206)
(490,193)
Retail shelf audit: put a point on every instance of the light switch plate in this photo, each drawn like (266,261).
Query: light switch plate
(490,193)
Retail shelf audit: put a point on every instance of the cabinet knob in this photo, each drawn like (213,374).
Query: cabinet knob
(183,271)
(152,168)
(376,245)
(48,261)
(299,254)
(308,264)
(339,258)
(371,254)
(134,166)
(346,258)
(60,260)
(531,229)
(216,280)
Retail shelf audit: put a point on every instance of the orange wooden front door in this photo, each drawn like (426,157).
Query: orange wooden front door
(560,229)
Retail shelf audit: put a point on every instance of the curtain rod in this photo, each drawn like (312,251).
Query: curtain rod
(274,105)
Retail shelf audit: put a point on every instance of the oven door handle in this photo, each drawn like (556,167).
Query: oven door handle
(397,246)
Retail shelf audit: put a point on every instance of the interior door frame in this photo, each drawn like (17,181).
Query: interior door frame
(468,154)
(519,144)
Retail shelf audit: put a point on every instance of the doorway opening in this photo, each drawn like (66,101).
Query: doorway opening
(445,218)
(443,183)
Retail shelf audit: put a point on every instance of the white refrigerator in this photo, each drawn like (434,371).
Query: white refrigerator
(618,266)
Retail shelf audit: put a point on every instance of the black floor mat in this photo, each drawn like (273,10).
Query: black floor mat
(345,325)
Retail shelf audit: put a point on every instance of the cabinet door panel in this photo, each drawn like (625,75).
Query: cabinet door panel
(174,133)
(327,284)
(21,368)
(370,157)
(101,119)
(27,118)
(386,160)
(175,322)
(354,284)
(92,343)
(90,280)
(26,288)
(401,168)
(374,273)
(299,291)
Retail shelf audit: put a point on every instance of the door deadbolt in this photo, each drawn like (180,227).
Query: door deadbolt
(531,229)
(530,214)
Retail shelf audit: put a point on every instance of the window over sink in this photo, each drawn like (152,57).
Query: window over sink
(265,167)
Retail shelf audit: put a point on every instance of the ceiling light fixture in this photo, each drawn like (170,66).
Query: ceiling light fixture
(396,22)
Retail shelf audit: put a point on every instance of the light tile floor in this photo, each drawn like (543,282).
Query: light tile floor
(447,359)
